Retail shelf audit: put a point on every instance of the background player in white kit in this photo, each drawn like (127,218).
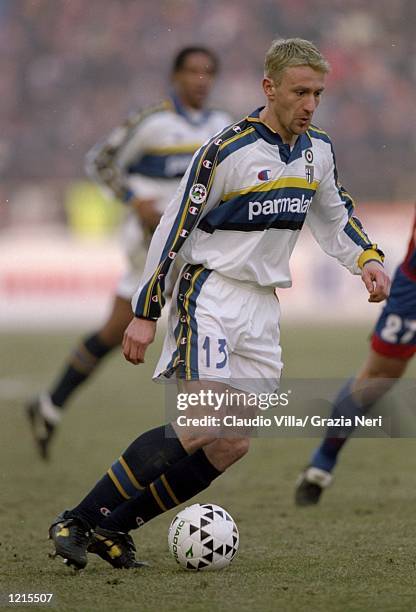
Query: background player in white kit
(141,163)
(235,220)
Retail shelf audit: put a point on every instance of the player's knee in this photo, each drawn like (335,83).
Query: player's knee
(241,447)
(225,451)
(380,374)
(190,441)
(384,371)
(234,449)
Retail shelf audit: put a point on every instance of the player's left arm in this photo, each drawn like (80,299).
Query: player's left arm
(341,235)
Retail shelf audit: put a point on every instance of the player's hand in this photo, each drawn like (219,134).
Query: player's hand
(147,212)
(137,337)
(376,280)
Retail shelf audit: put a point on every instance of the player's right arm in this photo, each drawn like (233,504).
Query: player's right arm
(137,337)
(108,161)
(101,161)
(201,186)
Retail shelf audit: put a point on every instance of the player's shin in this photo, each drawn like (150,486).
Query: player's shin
(176,485)
(145,459)
(84,360)
(347,406)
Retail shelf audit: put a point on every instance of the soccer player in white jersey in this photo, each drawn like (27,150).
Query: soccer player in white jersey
(235,220)
(141,163)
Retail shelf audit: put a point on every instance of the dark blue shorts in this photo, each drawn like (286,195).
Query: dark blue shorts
(395,331)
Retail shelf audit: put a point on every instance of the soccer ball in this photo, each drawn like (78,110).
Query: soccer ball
(203,537)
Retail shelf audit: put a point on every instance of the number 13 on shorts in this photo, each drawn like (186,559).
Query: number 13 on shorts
(214,353)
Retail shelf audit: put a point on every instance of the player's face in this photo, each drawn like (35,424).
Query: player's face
(293,101)
(193,82)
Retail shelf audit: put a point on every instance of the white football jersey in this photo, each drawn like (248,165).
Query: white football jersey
(148,155)
(241,205)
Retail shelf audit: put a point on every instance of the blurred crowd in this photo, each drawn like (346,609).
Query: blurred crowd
(71,70)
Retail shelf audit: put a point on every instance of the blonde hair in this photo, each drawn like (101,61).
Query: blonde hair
(285,53)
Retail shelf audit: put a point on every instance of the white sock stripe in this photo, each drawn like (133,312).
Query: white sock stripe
(319,477)
(50,413)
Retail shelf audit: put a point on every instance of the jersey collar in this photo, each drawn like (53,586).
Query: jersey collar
(272,137)
(180,109)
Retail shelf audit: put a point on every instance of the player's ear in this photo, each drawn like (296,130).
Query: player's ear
(269,88)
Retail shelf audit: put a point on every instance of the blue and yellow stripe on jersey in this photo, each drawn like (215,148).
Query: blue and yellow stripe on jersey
(164,162)
(315,132)
(242,138)
(102,160)
(353,227)
(184,360)
(280,204)
(295,182)
(202,172)
(159,162)
(151,299)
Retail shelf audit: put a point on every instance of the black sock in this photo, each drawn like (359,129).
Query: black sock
(153,452)
(144,460)
(84,360)
(176,485)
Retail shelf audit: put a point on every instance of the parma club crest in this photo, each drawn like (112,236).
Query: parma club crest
(309,173)
(309,169)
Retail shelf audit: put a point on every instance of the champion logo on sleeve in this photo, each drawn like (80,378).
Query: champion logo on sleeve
(264,175)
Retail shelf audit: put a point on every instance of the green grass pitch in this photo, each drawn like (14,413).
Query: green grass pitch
(356,551)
